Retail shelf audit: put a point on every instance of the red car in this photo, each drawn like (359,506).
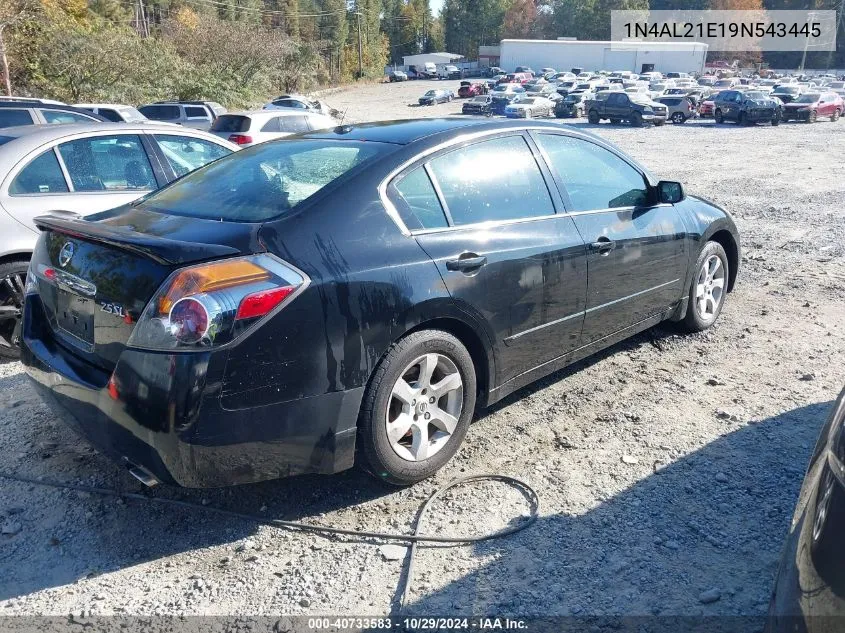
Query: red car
(812,105)
(469,89)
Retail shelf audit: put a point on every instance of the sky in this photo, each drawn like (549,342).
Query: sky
(436,5)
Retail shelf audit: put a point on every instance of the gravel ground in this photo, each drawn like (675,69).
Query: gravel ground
(667,466)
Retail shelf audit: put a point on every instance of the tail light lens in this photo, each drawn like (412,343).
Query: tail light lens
(240,139)
(212,304)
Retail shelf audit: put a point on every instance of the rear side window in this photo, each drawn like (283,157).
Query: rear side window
(264,181)
(294,124)
(63,116)
(10,117)
(497,179)
(108,163)
(196,112)
(416,191)
(594,177)
(272,125)
(161,112)
(231,123)
(42,175)
(185,154)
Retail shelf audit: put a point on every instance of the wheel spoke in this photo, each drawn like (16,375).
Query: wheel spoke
(715,264)
(403,391)
(719,283)
(428,364)
(711,305)
(399,428)
(700,291)
(420,442)
(447,384)
(443,420)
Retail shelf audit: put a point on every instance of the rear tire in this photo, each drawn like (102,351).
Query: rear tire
(811,118)
(429,442)
(704,303)
(835,116)
(12,283)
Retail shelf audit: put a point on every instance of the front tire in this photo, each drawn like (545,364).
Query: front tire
(719,117)
(811,118)
(593,117)
(678,118)
(417,407)
(835,116)
(12,284)
(636,119)
(708,288)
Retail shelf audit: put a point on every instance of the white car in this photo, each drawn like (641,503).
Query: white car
(529,107)
(298,102)
(116,112)
(258,126)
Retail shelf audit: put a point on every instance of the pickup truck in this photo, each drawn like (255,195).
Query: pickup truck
(636,109)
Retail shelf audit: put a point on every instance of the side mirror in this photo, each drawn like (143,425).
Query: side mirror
(669,192)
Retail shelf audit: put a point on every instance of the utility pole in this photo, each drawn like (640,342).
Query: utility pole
(841,13)
(360,52)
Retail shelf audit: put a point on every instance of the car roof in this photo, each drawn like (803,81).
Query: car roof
(17,104)
(115,106)
(274,113)
(403,132)
(29,137)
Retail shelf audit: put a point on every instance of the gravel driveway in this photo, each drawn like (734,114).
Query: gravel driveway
(667,466)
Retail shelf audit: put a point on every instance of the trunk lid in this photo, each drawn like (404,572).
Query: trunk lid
(95,277)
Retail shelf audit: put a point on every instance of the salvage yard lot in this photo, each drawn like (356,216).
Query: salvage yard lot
(667,466)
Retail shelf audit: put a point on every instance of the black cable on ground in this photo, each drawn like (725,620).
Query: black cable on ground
(414,538)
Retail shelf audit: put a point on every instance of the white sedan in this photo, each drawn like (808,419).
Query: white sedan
(528,107)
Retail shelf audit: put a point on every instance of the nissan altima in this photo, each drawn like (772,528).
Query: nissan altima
(352,295)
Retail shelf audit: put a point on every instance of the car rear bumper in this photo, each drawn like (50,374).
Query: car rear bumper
(162,412)
(798,115)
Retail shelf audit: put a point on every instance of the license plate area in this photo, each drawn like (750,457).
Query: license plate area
(75,316)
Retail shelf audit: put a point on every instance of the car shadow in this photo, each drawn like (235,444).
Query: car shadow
(654,548)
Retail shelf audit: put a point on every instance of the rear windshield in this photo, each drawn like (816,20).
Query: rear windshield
(262,182)
(230,123)
(6,139)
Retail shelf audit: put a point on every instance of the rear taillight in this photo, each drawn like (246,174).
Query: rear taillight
(212,304)
(240,139)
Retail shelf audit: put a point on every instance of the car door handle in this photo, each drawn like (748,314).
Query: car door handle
(603,245)
(467,262)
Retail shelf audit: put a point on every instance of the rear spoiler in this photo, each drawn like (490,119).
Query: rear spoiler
(160,249)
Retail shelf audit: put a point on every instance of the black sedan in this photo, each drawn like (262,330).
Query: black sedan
(432,97)
(809,593)
(480,105)
(354,293)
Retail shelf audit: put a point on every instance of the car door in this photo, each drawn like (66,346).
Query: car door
(197,117)
(80,176)
(486,214)
(614,105)
(637,249)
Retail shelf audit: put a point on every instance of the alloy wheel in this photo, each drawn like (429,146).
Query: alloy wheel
(710,288)
(11,304)
(424,408)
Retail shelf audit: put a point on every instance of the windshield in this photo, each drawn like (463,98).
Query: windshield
(261,182)
(810,97)
(790,90)
(836,85)
(755,95)
(724,83)
(430,93)
(480,99)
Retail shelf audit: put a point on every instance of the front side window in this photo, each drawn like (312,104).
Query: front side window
(594,177)
(63,116)
(264,181)
(108,163)
(492,180)
(185,154)
(417,192)
(159,112)
(42,175)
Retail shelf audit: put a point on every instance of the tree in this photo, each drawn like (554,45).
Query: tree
(520,20)
(11,13)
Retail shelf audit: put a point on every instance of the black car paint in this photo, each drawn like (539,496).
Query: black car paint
(222,416)
(809,590)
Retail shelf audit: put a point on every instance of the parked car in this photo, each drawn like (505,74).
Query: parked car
(433,97)
(198,115)
(571,106)
(495,70)
(812,105)
(527,107)
(678,108)
(706,107)
(746,107)
(504,94)
(114,112)
(397,75)
(480,105)
(260,328)
(787,93)
(636,109)
(79,169)
(525,70)
(22,112)
(449,71)
(566,86)
(428,70)
(809,589)
(298,102)
(518,78)
(258,126)
(471,89)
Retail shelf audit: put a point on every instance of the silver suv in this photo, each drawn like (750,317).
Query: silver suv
(194,114)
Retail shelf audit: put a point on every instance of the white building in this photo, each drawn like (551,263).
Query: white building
(629,55)
(434,58)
